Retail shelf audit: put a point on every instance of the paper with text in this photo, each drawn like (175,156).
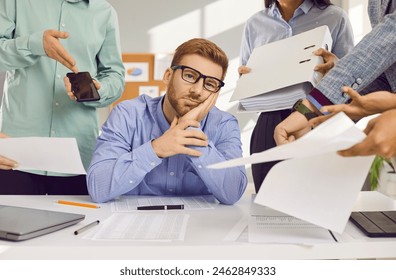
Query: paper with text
(51,154)
(148,227)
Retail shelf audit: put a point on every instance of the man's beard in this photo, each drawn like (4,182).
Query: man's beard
(176,103)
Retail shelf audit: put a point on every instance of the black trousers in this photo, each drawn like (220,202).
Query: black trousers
(263,139)
(13,182)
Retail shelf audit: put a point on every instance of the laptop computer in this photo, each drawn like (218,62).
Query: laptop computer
(19,223)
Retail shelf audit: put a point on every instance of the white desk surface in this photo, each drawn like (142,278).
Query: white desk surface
(204,238)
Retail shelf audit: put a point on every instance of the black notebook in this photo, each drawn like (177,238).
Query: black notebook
(19,223)
(376,224)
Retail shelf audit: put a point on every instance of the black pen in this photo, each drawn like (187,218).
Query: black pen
(161,207)
(84,228)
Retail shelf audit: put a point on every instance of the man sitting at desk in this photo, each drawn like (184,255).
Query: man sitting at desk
(160,146)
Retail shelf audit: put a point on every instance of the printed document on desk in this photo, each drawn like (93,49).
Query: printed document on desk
(142,227)
(313,183)
(43,153)
(282,72)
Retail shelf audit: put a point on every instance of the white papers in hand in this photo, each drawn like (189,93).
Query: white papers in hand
(59,155)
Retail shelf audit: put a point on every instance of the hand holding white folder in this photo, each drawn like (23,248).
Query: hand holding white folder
(282,71)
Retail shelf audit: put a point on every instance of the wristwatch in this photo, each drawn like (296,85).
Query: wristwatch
(300,107)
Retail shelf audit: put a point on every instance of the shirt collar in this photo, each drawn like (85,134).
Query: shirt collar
(304,8)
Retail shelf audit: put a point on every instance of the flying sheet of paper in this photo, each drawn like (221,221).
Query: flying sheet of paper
(59,155)
(314,184)
(336,133)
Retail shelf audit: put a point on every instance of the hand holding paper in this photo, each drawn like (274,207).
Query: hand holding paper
(42,153)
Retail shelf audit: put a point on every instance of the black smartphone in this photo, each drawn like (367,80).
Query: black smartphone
(83,87)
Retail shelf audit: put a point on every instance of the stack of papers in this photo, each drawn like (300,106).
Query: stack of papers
(280,99)
(282,72)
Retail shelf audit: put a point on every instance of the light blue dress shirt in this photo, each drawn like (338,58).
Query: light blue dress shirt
(268,26)
(124,161)
(35,102)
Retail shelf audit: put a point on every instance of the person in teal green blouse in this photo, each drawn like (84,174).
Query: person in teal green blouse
(40,42)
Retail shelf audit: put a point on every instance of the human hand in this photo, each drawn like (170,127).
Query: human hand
(329,59)
(200,112)
(6,163)
(293,127)
(176,138)
(243,70)
(69,91)
(363,105)
(380,140)
(54,49)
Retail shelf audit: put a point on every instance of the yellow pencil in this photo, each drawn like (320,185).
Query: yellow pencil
(77,204)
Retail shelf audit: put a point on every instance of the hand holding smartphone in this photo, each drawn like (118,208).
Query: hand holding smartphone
(83,87)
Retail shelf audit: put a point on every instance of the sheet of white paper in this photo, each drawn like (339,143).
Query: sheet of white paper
(43,153)
(139,227)
(320,189)
(314,184)
(336,133)
(130,203)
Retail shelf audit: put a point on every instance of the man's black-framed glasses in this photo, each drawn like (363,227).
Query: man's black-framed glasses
(192,76)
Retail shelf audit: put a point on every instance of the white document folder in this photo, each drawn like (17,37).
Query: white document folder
(282,72)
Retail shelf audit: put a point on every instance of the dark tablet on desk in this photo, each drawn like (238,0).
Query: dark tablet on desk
(376,224)
(18,223)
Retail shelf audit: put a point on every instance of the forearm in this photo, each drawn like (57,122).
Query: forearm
(379,102)
(115,175)
(359,70)
(227,185)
